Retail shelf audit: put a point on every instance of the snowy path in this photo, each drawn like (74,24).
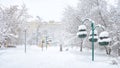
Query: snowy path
(52,58)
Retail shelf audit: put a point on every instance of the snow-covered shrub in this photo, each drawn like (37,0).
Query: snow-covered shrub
(115,47)
(114,62)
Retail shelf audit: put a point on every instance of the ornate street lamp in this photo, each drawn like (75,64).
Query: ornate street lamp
(104,36)
(82,31)
(104,39)
(95,36)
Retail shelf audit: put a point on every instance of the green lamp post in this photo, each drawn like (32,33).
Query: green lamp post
(92,25)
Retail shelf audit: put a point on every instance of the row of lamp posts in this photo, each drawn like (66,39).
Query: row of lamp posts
(103,38)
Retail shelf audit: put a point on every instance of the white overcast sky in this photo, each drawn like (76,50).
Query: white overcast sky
(46,9)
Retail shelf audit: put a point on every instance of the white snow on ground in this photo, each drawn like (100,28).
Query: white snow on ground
(52,58)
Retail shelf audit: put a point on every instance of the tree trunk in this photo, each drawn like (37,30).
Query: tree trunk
(109,51)
(118,51)
(42,45)
(60,47)
(106,50)
(81,45)
(109,48)
(100,14)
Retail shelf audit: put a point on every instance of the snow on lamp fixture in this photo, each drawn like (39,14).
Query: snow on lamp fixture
(104,38)
(82,31)
(95,36)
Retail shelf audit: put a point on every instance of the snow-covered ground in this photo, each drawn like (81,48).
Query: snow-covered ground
(52,58)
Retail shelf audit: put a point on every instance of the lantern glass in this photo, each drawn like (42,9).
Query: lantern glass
(82,35)
(82,30)
(103,43)
(95,40)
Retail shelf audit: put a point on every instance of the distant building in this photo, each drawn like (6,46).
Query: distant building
(48,31)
